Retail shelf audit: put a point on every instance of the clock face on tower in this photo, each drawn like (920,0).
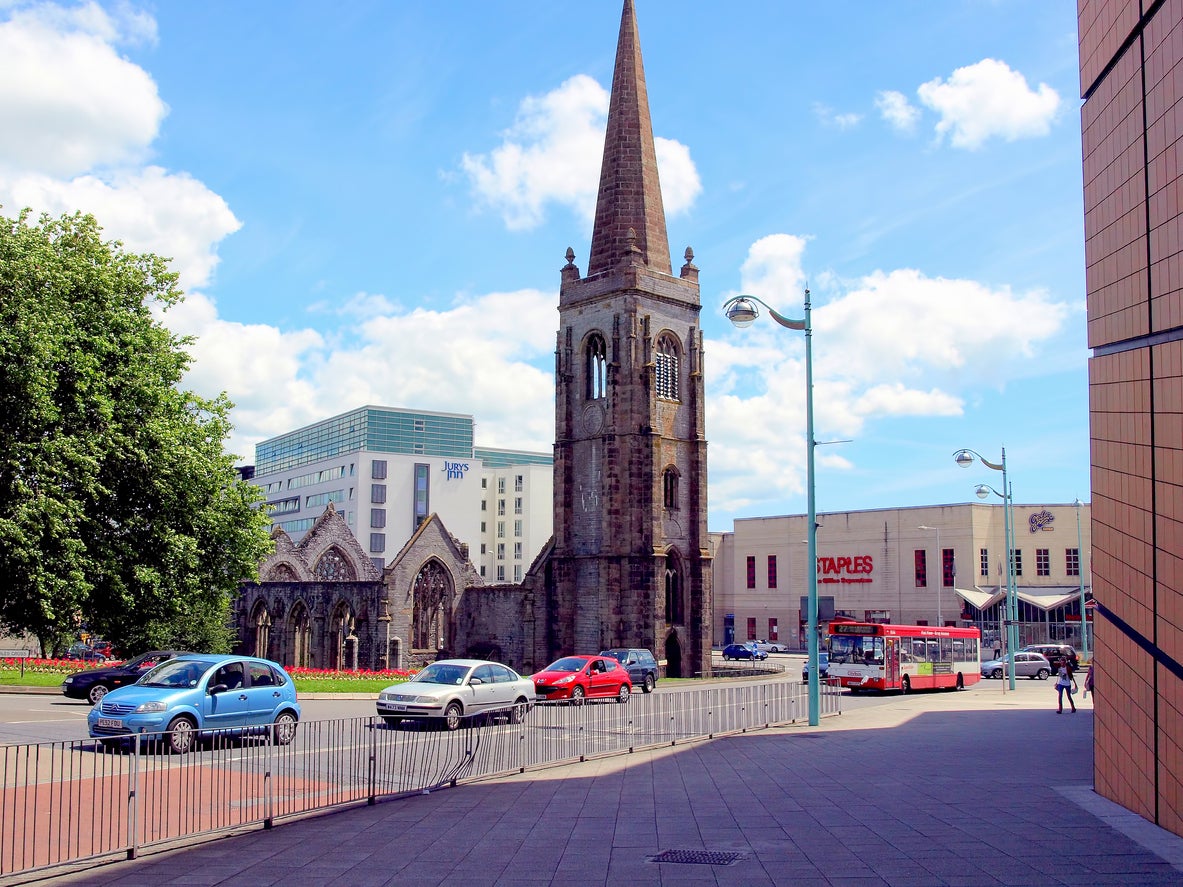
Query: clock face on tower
(593,419)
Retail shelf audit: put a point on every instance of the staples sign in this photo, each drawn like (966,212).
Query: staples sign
(845,569)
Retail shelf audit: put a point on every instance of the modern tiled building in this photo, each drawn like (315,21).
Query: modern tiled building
(387,469)
(927,565)
(1131,77)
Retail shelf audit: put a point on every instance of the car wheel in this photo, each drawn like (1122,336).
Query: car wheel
(517,714)
(392,722)
(997,673)
(97,692)
(1042,674)
(624,694)
(905,685)
(577,695)
(284,728)
(453,715)
(649,684)
(181,735)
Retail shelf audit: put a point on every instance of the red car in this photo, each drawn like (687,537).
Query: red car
(579,677)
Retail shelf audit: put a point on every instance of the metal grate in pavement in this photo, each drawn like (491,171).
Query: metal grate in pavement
(697,857)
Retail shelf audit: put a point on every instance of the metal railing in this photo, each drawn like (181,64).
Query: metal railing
(67,802)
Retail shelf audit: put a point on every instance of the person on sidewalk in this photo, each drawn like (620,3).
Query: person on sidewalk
(1088,681)
(1065,681)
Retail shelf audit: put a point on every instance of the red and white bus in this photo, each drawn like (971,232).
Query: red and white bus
(870,656)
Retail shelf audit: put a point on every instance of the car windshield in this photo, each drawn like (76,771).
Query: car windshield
(618,655)
(176,673)
(568,663)
(439,673)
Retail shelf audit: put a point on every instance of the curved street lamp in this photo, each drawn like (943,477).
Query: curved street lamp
(965,458)
(742,311)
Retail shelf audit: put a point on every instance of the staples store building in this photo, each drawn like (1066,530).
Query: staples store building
(928,565)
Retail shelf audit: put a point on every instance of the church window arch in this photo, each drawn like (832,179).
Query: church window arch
(432,605)
(333,566)
(300,623)
(261,625)
(597,367)
(675,595)
(666,360)
(669,487)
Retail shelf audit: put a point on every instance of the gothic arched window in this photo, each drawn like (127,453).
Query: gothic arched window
(669,488)
(432,593)
(675,606)
(597,367)
(333,567)
(666,361)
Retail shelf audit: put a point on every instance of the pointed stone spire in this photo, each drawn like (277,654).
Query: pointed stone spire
(630,193)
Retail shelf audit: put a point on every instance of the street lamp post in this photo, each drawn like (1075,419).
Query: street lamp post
(742,311)
(1084,622)
(940,572)
(965,458)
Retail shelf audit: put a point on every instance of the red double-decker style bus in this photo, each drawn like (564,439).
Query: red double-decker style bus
(870,656)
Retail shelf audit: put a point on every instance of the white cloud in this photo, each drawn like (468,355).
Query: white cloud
(895,344)
(829,117)
(552,153)
(988,99)
(895,108)
(69,102)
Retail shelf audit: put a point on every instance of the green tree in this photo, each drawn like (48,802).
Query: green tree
(118,505)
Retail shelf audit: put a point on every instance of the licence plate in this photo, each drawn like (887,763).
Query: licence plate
(399,707)
(110,723)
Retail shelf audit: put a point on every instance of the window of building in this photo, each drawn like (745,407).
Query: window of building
(319,500)
(751,571)
(1016,560)
(751,628)
(948,568)
(378,469)
(378,564)
(772,571)
(517,528)
(422,503)
(483,549)
(517,505)
(517,572)
(1043,562)
(484,483)
(501,486)
(666,365)
(500,551)
(1072,561)
(517,483)
(377,542)
(669,487)
(597,367)
(675,603)
(920,557)
(500,529)
(378,494)
(501,506)
(983,562)
(377,518)
(517,551)
(483,525)
(482,571)
(773,629)
(500,572)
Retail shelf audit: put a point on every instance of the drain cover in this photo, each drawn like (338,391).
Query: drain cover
(696,857)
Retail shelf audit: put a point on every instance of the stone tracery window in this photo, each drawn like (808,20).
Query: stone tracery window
(675,605)
(333,567)
(597,367)
(669,488)
(282,573)
(666,364)
(432,591)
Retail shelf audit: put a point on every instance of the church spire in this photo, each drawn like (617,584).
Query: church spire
(630,219)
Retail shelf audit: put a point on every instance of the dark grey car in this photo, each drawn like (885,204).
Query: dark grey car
(640,664)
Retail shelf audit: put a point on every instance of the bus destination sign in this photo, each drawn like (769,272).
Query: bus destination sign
(853,628)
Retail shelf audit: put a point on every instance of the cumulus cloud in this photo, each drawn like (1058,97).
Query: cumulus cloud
(892,344)
(551,155)
(899,113)
(989,100)
(829,117)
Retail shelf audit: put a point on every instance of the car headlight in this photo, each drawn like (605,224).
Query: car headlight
(151,706)
(568,679)
(69,680)
(425,700)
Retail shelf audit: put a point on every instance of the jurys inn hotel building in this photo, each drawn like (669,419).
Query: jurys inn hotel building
(387,469)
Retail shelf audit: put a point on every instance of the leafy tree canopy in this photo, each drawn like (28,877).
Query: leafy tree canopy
(118,505)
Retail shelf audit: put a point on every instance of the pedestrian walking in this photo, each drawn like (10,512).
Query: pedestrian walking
(1065,682)
(1088,681)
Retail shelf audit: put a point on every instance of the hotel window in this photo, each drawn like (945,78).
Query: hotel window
(422,490)
(377,542)
(500,529)
(597,367)
(517,483)
(500,551)
(772,571)
(1016,560)
(517,528)
(751,571)
(921,559)
(482,549)
(501,506)
(1072,561)
(484,483)
(377,494)
(666,367)
(500,572)
(378,469)
(983,561)
(484,505)
(482,571)
(1043,562)
(517,505)
(517,572)
(377,518)
(483,525)
(501,486)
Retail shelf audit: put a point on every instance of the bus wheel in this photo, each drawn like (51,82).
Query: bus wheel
(905,685)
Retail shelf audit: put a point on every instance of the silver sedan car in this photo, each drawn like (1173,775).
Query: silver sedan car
(455,689)
(1027,665)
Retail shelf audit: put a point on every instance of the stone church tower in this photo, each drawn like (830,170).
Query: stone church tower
(630,564)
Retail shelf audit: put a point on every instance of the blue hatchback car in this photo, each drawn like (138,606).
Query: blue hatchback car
(194,694)
(743,651)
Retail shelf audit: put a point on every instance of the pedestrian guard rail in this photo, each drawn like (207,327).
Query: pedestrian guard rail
(70,802)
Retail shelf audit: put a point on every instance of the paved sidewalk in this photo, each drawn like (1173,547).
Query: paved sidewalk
(973,788)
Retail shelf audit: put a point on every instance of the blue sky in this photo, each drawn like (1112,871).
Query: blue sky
(370,203)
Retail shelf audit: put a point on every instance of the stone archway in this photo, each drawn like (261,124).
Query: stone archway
(261,625)
(342,638)
(300,626)
(673,656)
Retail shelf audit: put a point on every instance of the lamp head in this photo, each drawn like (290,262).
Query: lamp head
(964,458)
(1077,504)
(982,491)
(742,312)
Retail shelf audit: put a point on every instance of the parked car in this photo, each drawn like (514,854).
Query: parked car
(640,665)
(823,666)
(193,694)
(95,683)
(1027,665)
(1053,653)
(104,647)
(772,646)
(453,689)
(583,677)
(85,653)
(743,651)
